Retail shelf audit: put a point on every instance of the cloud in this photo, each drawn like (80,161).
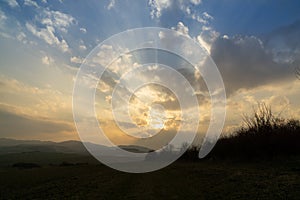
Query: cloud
(282,97)
(48,35)
(3,19)
(17,125)
(278,103)
(46,60)
(83,30)
(196,2)
(64,46)
(22,37)
(207,37)
(82,47)
(31,3)
(60,21)
(75,59)
(284,44)
(111,4)
(168,11)
(182,29)
(2,16)
(52,26)
(33,101)
(157,6)
(207,16)
(244,63)
(12,3)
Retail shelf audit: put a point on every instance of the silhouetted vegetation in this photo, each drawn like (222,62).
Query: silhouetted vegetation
(25,165)
(264,135)
(191,154)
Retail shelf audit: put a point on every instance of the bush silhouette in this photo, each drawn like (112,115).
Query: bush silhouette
(191,154)
(263,136)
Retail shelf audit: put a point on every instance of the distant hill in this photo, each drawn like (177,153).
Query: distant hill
(25,146)
(136,149)
(13,142)
(9,146)
(45,152)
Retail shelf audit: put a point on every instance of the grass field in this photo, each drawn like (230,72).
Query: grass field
(209,179)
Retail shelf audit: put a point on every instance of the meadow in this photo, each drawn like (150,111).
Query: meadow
(209,179)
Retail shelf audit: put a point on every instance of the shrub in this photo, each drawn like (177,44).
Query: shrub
(264,135)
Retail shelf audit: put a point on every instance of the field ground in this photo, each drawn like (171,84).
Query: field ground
(209,179)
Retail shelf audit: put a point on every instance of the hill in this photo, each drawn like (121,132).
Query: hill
(8,146)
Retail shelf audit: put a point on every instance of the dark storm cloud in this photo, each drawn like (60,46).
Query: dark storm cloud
(244,63)
(284,43)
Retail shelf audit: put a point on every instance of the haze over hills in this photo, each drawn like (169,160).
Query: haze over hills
(23,146)
(71,146)
(46,153)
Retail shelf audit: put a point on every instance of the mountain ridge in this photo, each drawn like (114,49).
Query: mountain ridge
(8,145)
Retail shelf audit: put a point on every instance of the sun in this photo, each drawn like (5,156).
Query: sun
(157,117)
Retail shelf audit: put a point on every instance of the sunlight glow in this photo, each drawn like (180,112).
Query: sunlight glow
(157,117)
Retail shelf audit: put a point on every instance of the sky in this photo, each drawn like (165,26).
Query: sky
(255,45)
